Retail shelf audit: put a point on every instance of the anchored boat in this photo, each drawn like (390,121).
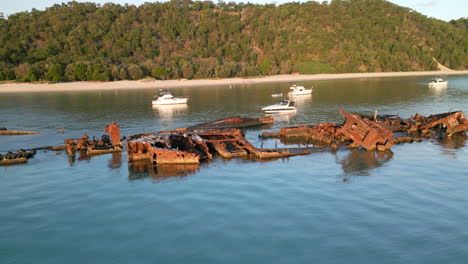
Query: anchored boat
(299,90)
(166,98)
(283,106)
(438,82)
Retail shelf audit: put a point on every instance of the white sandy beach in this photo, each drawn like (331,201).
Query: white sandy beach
(149,83)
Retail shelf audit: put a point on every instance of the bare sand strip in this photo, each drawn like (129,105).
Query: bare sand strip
(148,84)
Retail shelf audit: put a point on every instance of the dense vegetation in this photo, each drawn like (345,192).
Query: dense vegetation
(185,39)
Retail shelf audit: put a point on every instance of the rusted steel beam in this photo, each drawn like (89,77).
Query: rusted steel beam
(14,133)
(233,122)
(114,132)
(365,133)
(284,152)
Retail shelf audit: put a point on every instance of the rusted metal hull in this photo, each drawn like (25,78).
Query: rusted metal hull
(365,133)
(196,146)
(377,134)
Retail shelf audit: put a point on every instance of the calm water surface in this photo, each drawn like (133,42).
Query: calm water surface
(405,206)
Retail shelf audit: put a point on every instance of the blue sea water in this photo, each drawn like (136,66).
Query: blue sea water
(404,206)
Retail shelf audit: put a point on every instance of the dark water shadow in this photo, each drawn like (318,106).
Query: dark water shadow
(451,145)
(362,162)
(115,162)
(139,170)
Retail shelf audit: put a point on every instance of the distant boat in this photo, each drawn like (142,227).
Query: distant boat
(438,82)
(277,95)
(299,90)
(282,106)
(166,98)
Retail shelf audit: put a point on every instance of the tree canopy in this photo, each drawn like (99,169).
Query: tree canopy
(187,39)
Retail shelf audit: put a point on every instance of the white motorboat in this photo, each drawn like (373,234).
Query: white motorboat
(277,95)
(283,106)
(299,90)
(438,82)
(166,98)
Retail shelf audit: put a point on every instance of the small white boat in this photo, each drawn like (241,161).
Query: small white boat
(277,95)
(438,82)
(283,106)
(166,98)
(299,90)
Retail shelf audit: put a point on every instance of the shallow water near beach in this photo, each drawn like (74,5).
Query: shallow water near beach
(404,206)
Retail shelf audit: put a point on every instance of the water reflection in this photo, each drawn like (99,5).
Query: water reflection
(116,161)
(169,111)
(283,117)
(81,155)
(438,90)
(301,100)
(450,145)
(361,162)
(144,169)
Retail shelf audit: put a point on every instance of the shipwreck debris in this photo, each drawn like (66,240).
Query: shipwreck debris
(107,144)
(200,145)
(375,132)
(20,156)
(362,132)
(451,122)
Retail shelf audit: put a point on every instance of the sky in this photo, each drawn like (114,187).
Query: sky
(441,9)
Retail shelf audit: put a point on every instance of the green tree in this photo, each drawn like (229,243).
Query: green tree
(56,73)
(265,67)
(135,72)
(159,73)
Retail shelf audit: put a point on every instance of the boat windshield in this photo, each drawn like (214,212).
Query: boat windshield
(284,103)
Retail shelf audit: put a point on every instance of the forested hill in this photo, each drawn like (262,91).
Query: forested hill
(185,39)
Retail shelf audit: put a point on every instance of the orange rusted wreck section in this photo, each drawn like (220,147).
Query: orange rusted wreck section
(200,145)
(355,132)
(107,144)
(377,132)
(452,122)
(362,132)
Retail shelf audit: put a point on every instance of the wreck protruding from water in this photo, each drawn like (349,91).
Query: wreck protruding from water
(201,145)
(106,144)
(21,156)
(378,132)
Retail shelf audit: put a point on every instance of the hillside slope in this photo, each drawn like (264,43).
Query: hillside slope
(185,39)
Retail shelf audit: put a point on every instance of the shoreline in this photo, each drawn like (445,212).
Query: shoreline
(157,84)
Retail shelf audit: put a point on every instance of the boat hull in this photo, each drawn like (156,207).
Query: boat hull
(279,111)
(304,92)
(170,102)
